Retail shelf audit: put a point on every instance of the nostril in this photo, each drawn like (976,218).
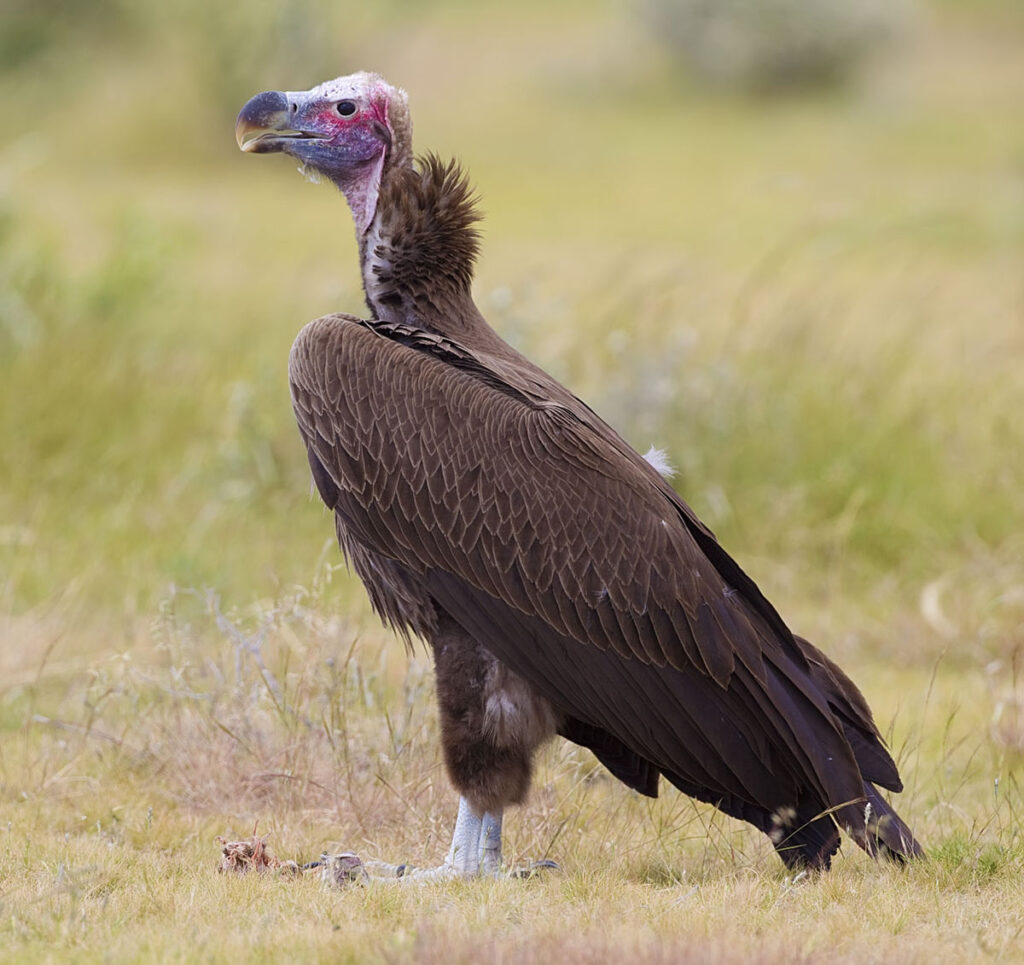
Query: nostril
(293,107)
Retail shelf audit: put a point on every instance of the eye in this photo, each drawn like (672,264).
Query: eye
(345,108)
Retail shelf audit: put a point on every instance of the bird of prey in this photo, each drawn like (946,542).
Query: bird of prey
(562,584)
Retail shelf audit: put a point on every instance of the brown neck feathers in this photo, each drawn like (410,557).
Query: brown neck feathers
(418,255)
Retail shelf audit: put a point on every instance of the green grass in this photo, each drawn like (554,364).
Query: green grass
(813,304)
(117,782)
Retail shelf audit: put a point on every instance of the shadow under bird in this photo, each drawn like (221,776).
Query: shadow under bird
(563,586)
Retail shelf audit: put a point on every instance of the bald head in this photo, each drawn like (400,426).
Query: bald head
(350,129)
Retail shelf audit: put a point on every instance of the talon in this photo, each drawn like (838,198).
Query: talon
(343,869)
(535,868)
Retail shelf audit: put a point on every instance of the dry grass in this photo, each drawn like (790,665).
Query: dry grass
(119,780)
(814,304)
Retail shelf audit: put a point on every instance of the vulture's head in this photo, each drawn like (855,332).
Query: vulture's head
(351,130)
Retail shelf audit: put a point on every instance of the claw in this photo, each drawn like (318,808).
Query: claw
(342,869)
(534,868)
(475,853)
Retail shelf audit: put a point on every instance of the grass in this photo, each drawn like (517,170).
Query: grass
(813,304)
(128,773)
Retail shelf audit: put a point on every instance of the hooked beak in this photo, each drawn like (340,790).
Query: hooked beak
(264,125)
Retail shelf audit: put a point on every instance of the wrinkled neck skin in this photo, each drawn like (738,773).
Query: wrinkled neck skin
(418,252)
(360,188)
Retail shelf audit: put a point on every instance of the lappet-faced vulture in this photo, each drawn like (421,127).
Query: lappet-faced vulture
(562,584)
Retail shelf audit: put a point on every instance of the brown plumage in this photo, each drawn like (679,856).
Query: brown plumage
(561,582)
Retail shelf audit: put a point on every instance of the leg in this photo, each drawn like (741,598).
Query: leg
(491,725)
(490,844)
(464,853)
(475,851)
(491,721)
(476,843)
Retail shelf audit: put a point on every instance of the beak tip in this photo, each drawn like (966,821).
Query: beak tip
(263,112)
(241,130)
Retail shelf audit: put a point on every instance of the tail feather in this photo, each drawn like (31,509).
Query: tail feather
(885,831)
(855,718)
(806,837)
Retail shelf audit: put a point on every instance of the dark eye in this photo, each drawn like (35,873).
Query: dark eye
(346,108)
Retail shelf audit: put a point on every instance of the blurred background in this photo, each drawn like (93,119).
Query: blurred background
(782,240)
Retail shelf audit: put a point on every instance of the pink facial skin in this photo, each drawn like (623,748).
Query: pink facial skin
(349,149)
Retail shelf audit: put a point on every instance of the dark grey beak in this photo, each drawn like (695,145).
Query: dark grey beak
(263,116)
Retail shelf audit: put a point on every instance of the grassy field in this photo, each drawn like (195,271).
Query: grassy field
(815,304)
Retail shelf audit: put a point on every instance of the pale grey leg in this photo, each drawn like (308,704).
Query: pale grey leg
(464,854)
(475,852)
(490,844)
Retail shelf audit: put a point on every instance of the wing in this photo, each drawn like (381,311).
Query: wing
(457,468)
(518,506)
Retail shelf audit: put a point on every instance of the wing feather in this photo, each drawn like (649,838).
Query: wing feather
(619,597)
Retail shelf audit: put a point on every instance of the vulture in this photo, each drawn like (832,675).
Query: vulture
(562,585)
